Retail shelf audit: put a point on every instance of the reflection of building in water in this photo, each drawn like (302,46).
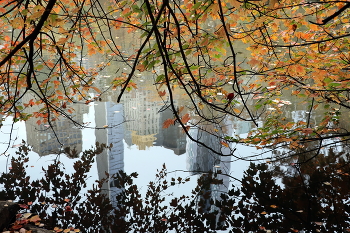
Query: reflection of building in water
(142,141)
(143,119)
(201,160)
(112,160)
(242,127)
(45,140)
(173,137)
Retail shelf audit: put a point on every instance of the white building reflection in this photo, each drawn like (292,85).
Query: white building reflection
(201,160)
(111,160)
(46,140)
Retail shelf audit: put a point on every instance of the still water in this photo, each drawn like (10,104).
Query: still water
(140,143)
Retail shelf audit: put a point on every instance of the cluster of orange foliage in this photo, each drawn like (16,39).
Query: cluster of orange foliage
(265,52)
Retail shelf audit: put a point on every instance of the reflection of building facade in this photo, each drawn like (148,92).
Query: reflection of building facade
(46,140)
(111,160)
(242,127)
(201,160)
(143,118)
(173,137)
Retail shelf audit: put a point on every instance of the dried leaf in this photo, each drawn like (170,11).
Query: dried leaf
(185,118)
(35,218)
(27,215)
(168,123)
(161,93)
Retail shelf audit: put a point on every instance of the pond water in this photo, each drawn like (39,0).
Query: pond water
(141,144)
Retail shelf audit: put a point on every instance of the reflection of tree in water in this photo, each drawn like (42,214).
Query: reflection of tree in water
(312,196)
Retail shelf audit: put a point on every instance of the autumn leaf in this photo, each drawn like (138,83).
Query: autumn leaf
(61,41)
(162,93)
(17,23)
(168,123)
(56,229)
(35,218)
(140,67)
(96,89)
(27,215)
(225,144)
(24,206)
(185,118)
(307,131)
(237,111)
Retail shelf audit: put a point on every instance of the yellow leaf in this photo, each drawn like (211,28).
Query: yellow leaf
(35,218)
(200,105)
(237,110)
(17,23)
(27,215)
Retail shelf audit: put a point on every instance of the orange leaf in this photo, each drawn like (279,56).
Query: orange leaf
(58,92)
(185,118)
(57,229)
(237,110)
(225,144)
(140,67)
(162,93)
(96,89)
(168,123)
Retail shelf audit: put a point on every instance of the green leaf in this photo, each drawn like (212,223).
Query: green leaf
(327,80)
(196,6)
(160,78)
(334,84)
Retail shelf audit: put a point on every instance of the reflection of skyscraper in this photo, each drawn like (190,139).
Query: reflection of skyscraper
(143,119)
(202,160)
(173,137)
(199,158)
(46,140)
(112,160)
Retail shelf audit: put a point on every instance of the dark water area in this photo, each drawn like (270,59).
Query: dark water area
(257,197)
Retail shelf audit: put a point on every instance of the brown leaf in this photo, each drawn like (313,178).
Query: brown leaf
(161,93)
(168,123)
(185,118)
